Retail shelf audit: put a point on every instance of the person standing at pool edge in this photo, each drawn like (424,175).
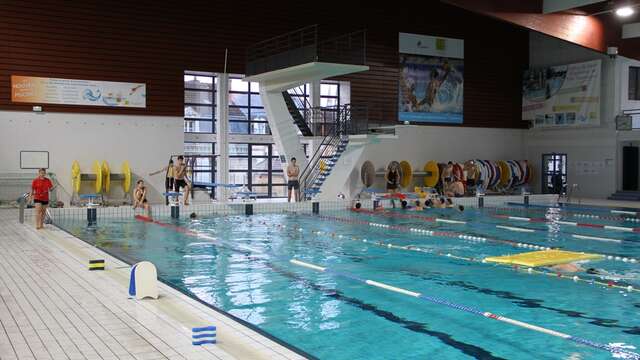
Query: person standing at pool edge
(392,176)
(169,177)
(180,173)
(40,188)
(293,171)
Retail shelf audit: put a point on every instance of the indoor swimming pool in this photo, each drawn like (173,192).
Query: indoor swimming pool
(242,265)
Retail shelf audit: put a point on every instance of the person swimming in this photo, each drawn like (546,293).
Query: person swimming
(576,267)
(193,216)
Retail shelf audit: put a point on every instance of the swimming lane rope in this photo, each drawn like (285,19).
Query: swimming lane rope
(486,314)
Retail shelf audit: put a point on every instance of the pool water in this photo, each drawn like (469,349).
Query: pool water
(241,264)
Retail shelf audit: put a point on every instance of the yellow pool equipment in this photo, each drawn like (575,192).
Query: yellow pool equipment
(543,258)
(432,174)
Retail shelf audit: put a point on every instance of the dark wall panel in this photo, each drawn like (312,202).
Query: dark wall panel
(155,41)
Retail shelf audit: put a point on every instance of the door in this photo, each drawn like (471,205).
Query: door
(630,168)
(554,173)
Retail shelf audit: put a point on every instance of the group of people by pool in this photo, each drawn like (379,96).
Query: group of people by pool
(452,187)
(175,180)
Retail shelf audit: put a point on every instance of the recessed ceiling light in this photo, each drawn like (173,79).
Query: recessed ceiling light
(624,11)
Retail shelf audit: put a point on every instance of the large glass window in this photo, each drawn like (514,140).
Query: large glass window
(634,83)
(204,166)
(246,113)
(258,167)
(199,103)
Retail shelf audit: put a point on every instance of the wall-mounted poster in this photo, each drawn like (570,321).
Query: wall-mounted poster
(39,90)
(431,79)
(562,96)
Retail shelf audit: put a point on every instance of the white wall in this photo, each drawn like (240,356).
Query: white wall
(145,141)
(594,144)
(420,144)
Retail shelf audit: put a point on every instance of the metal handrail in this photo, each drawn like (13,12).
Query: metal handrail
(22,203)
(328,147)
(257,50)
(304,103)
(350,41)
(302,46)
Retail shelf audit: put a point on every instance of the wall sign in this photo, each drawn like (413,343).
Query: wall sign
(562,96)
(34,159)
(40,90)
(431,79)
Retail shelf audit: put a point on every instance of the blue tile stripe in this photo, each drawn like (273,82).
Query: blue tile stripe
(203,335)
(204,328)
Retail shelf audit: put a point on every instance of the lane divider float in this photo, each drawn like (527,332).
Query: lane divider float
(512,228)
(450,234)
(566,213)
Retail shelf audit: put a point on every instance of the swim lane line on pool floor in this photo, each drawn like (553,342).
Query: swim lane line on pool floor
(615,351)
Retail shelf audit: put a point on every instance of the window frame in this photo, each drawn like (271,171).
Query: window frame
(214,104)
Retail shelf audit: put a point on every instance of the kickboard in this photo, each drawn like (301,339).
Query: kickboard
(543,258)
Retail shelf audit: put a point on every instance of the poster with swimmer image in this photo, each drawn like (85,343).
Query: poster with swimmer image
(562,96)
(431,80)
(40,90)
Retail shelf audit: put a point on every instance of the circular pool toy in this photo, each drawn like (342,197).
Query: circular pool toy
(505,174)
(432,174)
(367,173)
(75,176)
(407,174)
(126,173)
(106,176)
(97,170)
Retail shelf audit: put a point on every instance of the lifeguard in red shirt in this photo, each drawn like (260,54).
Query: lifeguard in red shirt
(40,188)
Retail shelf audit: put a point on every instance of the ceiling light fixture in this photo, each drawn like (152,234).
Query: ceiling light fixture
(624,11)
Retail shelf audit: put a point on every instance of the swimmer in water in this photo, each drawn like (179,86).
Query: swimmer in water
(575,268)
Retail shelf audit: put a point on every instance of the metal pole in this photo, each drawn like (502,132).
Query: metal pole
(21,213)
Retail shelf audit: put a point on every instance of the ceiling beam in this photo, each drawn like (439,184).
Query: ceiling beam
(551,6)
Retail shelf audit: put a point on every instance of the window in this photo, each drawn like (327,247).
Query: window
(329,95)
(258,167)
(199,103)
(204,166)
(246,113)
(634,83)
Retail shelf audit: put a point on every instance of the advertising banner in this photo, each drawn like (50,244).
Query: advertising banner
(431,79)
(562,96)
(40,90)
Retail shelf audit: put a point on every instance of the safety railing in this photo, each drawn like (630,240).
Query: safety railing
(60,216)
(303,46)
(335,132)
